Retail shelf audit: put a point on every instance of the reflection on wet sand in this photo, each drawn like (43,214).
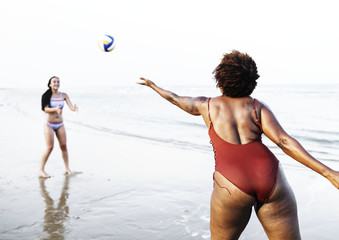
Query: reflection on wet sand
(55,217)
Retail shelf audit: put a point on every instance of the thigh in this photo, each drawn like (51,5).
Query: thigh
(61,135)
(279,215)
(230,209)
(49,135)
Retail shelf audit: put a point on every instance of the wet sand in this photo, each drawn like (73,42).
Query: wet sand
(126,188)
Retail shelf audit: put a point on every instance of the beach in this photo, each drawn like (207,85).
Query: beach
(130,185)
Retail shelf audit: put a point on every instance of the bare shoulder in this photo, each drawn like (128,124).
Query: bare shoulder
(64,95)
(196,105)
(201,103)
(216,105)
(201,100)
(260,106)
(216,100)
(271,126)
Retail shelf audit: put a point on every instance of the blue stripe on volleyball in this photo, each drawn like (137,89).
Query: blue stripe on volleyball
(110,44)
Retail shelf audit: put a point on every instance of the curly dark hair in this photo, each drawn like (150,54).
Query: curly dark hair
(236,74)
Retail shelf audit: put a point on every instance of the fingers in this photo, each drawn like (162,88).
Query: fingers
(144,81)
(57,109)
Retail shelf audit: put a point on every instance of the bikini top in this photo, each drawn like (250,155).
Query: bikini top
(54,102)
(258,138)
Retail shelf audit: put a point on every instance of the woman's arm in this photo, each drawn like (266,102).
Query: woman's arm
(191,105)
(293,148)
(52,110)
(69,103)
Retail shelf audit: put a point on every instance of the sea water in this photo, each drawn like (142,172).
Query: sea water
(307,113)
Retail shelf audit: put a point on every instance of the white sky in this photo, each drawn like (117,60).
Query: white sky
(170,42)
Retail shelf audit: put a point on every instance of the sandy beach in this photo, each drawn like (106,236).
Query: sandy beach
(126,188)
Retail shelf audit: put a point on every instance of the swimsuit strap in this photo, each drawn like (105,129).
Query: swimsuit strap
(208,107)
(256,115)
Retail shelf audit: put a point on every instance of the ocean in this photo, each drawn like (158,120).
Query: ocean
(307,113)
(154,204)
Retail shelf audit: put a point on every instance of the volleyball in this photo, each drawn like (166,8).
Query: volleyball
(106,43)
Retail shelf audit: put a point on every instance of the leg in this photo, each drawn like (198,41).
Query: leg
(279,215)
(61,135)
(230,209)
(49,137)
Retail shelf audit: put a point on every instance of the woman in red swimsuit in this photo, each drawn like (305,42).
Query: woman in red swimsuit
(246,173)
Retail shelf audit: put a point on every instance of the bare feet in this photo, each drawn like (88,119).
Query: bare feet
(69,172)
(43,174)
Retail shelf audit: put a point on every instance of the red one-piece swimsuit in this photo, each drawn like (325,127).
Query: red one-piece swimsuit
(251,167)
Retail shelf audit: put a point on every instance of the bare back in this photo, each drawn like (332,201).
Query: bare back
(234,119)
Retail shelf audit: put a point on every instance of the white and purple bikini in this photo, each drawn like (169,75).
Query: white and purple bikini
(54,102)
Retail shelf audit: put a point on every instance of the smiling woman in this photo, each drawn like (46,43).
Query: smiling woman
(52,102)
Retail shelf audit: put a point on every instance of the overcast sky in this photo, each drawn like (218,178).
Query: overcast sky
(170,42)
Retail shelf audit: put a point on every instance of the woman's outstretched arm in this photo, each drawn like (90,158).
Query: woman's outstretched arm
(293,148)
(69,103)
(192,105)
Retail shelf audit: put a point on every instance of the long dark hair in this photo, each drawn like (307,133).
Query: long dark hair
(46,97)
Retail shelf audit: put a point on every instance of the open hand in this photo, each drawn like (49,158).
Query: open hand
(76,108)
(146,82)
